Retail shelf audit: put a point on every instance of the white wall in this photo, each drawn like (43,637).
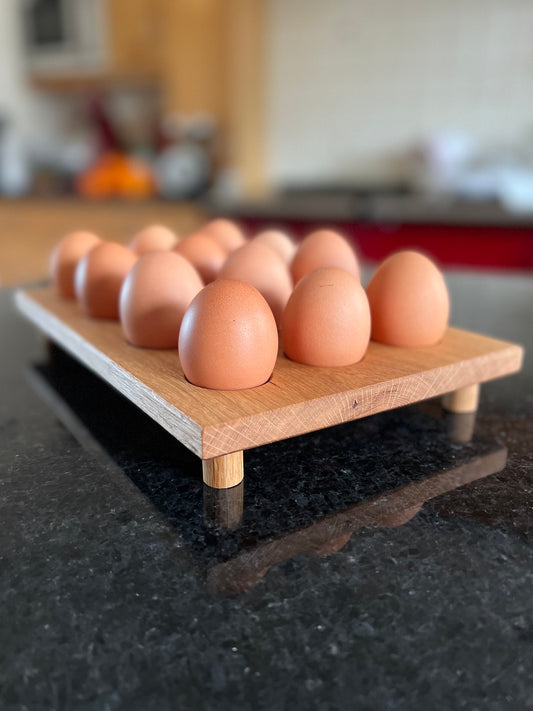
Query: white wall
(35,115)
(353,83)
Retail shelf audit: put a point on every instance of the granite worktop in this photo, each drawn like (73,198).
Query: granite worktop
(373,207)
(382,564)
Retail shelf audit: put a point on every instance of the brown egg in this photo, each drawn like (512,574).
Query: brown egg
(154,297)
(65,258)
(228,338)
(327,319)
(323,248)
(260,266)
(206,255)
(409,301)
(152,239)
(226,233)
(280,242)
(99,277)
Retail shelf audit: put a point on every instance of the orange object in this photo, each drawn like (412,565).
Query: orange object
(116,175)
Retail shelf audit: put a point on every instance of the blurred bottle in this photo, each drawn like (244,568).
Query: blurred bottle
(183,167)
(15,175)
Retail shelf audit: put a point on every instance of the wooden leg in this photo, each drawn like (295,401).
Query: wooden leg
(224,507)
(462,400)
(223,472)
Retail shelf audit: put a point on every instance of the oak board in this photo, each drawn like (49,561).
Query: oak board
(297,399)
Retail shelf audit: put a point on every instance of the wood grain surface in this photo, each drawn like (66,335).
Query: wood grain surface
(30,228)
(297,399)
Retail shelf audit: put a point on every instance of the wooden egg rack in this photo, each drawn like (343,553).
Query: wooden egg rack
(218,425)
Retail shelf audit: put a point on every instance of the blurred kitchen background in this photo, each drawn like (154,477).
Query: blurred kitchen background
(400,123)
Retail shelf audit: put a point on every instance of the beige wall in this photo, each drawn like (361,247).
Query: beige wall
(33,114)
(352,83)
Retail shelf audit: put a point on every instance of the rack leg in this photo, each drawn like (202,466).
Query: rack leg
(462,400)
(223,472)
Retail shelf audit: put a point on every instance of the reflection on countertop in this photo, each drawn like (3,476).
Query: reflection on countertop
(244,532)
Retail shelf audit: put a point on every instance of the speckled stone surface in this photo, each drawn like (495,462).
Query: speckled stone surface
(381,564)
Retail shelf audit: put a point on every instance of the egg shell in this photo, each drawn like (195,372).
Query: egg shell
(65,257)
(323,248)
(206,255)
(226,233)
(280,242)
(153,298)
(327,319)
(99,276)
(262,267)
(153,238)
(228,338)
(409,301)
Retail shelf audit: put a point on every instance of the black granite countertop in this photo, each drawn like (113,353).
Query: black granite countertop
(373,207)
(382,564)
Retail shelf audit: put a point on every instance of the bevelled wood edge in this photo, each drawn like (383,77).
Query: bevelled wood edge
(469,359)
(185,429)
(354,404)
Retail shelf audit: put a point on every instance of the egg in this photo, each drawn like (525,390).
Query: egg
(153,298)
(225,233)
(153,238)
(206,255)
(408,300)
(280,242)
(65,258)
(262,267)
(99,276)
(323,248)
(327,319)
(228,338)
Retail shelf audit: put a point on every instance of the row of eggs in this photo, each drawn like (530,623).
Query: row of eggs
(221,298)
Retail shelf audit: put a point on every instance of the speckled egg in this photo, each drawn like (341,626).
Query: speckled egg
(206,255)
(153,238)
(409,301)
(154,297)
(323,248)
(99,277)
(225,233)
(280,242)
(327,319)
(65,257)
(228,338)
(262,267)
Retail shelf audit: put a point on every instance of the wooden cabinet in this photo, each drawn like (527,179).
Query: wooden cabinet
(204,56)
(135,30)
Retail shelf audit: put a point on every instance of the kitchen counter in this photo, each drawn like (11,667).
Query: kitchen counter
(382,564)
(394,207)
(457,233)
